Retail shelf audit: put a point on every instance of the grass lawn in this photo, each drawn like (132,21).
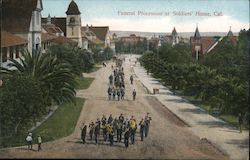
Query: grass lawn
(84,83)
(61,123)
(95,68)
(231,119)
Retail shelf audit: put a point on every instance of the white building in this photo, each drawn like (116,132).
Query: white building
(23,18)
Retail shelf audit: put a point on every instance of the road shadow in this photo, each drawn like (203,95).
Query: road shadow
(193,110)
(240,143)
(100,142)
(177,100)
(214,124)
(233,130)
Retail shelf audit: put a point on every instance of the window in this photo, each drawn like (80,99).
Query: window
(72,20)
(17,52)
(4,58)
(11,52)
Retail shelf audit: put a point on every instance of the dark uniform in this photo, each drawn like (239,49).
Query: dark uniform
(118,94)
(91,131)
(126,137)
(142,128)
(111,138)
(134,94)
(109,92)
(147,124)
(240,122)
(114,93)
(131,79)
(97,133)
(110,119)
(83,133)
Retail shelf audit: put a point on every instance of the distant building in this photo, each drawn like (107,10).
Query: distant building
(202,45)
(23,18)
(98,35)
(172,39)
(132,39)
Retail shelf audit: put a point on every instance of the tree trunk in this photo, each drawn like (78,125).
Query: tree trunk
(16,127)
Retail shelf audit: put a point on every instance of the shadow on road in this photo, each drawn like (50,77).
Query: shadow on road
(241,143)
(195,111)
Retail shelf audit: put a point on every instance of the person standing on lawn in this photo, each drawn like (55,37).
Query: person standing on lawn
(29,141)
(240,121)
(39,143)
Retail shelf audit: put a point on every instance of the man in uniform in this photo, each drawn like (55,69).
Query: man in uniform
(134,94)
(110,119)
(118,92)
(119,131)
(147,124)
(97,131)
(131,79)
(240,119)
(111,79)
(132,128)
(114,93)
(109,92)
(91,129)
(122,93)
(142,128)
(126,137)
(83,132)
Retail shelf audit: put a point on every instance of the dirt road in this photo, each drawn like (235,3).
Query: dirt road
(169,137)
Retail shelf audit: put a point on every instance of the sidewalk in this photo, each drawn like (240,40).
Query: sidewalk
(223,135)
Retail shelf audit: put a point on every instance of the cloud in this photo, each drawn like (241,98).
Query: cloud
(166,24)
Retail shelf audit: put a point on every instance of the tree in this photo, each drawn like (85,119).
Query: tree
(21,100)
(55,78)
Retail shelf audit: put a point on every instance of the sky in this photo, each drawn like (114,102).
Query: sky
(158,15)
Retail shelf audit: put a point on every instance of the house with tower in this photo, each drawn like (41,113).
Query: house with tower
(23,19)
(172,39)
(201,45)
(71,27)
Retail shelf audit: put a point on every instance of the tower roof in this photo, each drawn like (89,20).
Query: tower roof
(73,9)
(197,33)
(174,32)
(230,33)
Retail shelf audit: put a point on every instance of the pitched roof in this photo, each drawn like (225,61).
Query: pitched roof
(51,28)
(62,40)
(230,33)
(207,42)
(197,33)
(73,9)
(16,15)
(174,32)
(100,31)
(58,21)
(47,37)
(8,39)
(233,39)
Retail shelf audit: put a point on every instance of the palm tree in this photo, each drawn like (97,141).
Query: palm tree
(55,78)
